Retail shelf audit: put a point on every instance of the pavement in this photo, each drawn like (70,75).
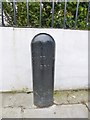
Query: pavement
(67,104)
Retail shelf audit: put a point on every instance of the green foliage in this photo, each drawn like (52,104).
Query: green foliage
(34,14)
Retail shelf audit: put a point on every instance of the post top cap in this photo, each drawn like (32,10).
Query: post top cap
(42,37)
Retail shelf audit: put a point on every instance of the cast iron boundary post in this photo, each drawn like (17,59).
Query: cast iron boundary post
(43,57)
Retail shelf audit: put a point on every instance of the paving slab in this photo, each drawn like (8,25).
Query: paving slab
(67,104)
(65,97)
(0,100)
(0,106)
(89,115)
(60,97)
(62,111)
(11,113)
(0,113)
(17,100)
(88,107)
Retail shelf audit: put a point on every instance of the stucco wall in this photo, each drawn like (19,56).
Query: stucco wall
(71,64)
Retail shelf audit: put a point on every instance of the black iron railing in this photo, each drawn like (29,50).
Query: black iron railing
(41,13)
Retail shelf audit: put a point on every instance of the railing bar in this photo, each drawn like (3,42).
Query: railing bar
(2,14)
(27,5)
(76,14)
(52,14)
(40,13)
(14,7)
(64,24)
(88,13)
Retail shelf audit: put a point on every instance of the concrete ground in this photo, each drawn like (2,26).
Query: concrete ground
(67,104)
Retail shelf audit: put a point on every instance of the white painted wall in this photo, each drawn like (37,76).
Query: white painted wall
(71,65)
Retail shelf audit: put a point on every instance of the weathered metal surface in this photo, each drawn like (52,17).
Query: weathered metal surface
(43,56)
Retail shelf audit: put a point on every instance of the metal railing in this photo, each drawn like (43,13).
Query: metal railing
(40,16)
